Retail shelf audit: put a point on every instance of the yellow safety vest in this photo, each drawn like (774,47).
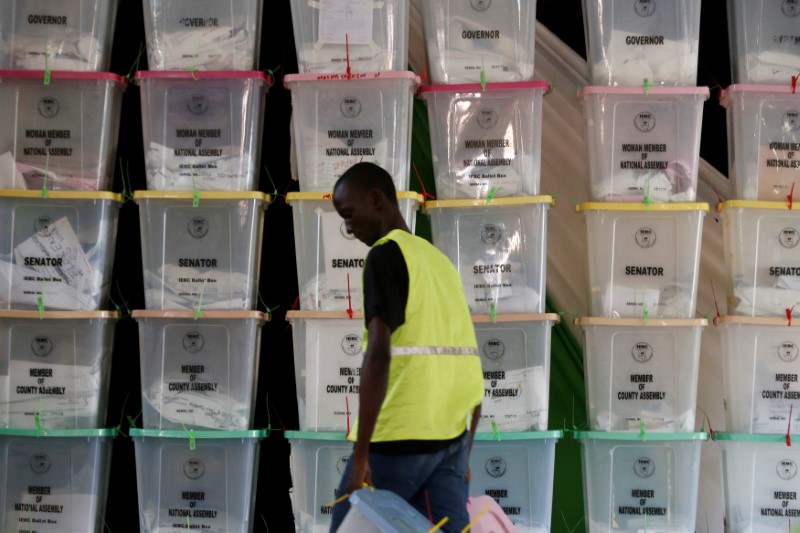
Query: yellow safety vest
(435,375)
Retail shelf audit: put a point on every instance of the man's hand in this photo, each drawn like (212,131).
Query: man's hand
(360,474)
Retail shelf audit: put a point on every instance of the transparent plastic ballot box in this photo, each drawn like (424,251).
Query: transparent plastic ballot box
(317,462)
(206,479)
(643,258)
(759,480)
(498,247)
(199,372)
(330,261)
(73,35)
(328,352)
(55,368)
(635,482)
(338,121)
(761,257)
(761,368)
(516,469)
(54,481)
(201,250)
(641,374)
(763,141)
(61,135)
(628,41)
(382,511)
(515,358)
(486,142)
(202,130)
(465,40)
(763,37)
(57,249)
(643,143)
(203,35)
(334,37)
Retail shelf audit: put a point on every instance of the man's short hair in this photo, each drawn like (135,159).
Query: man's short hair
(368,176)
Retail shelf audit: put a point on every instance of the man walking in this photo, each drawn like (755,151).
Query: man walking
(421,374)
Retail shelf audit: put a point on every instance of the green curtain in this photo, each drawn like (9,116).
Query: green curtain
(567,391)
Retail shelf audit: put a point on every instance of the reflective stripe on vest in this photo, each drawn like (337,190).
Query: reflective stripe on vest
(434,350)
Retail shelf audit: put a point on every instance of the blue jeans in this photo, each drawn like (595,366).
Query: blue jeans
(442,474)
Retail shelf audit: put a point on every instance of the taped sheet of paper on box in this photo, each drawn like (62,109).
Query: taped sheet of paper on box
(516,403)
(328,375)
(57,393)
(338,18)
(336,246)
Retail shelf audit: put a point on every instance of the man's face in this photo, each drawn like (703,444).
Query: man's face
(358,209)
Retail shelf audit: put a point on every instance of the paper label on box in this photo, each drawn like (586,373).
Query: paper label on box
(777,384)
(515,399)
(345,21)
(333,374)
(50,391)
(343,254)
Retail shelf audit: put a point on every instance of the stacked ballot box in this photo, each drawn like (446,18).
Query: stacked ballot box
(65,36)
(204,480)
(54,479)
(54,369)
(202,130)
(486,141)
(330,261)
(469,40)
(633,482)
(643,114)
(515,358)
(630,41)
(357,37)
(199,372)
(61,136)
(759,481)
(761,230)
(340,119)
(205,35)
(516,470)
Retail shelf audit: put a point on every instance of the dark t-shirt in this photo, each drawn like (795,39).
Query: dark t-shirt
(386,296)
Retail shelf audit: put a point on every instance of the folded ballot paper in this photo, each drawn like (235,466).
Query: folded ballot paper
(51,264)
(81,52)
(229,47)
(19,175)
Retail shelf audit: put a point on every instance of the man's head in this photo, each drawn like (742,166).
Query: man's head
(366,199)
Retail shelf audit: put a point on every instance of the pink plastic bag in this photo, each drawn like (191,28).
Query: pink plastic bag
(494,520)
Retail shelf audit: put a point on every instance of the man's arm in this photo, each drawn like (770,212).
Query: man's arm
(374,382)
